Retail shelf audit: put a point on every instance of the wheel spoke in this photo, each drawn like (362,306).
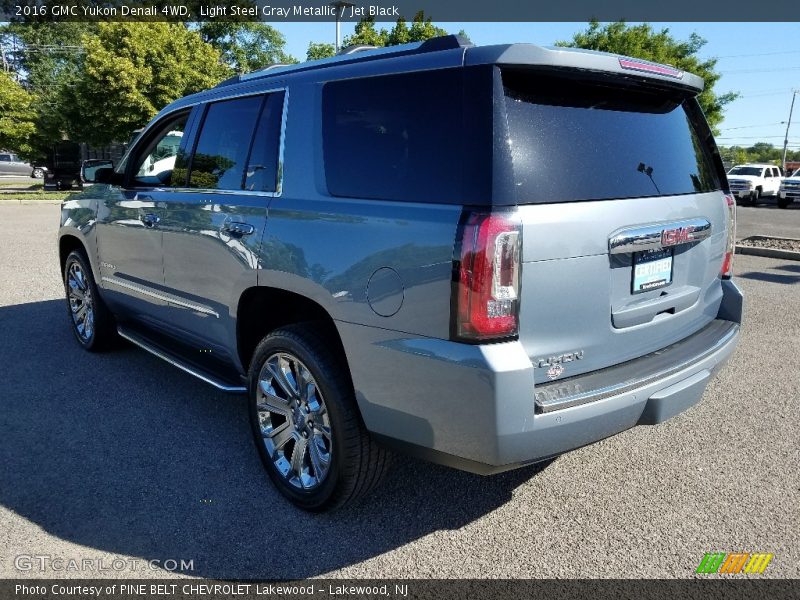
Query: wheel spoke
(271,402)
(281,434)
(280,378)
(298,454)
(75,290)
(319,462)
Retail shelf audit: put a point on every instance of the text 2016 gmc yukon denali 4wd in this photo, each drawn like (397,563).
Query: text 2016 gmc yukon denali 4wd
(485,256)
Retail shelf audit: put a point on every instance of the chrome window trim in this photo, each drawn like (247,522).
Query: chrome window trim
(648,237)
(146,291)
(282,142)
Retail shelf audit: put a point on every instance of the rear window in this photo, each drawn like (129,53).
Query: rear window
(577,140)
(395,137)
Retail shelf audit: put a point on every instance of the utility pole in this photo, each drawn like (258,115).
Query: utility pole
(788,124)
(339,7)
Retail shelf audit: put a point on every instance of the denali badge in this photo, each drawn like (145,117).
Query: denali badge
(679,235)
(555,371)
(558,360)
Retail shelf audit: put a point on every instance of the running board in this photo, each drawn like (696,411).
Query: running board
(163,354)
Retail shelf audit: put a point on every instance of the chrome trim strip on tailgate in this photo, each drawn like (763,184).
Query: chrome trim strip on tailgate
(636,373)
(658,235)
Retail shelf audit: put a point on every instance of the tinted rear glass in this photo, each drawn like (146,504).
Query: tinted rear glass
(221,152)
(395,137)
(577,140)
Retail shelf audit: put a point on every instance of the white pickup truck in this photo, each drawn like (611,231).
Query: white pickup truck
(790,190)
(750,183)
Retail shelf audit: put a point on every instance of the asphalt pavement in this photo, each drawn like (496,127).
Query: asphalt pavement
(121,456)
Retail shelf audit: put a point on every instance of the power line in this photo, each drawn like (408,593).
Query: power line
(751,126)
(760,54)
(777,70)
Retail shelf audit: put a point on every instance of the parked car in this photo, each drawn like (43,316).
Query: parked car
(789,190)
(11,164)
(64,166)
(750,183)
(380,251)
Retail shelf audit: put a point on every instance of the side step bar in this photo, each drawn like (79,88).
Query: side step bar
(163,354)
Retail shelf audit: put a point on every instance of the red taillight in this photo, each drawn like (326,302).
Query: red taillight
(726,272)
(487,279)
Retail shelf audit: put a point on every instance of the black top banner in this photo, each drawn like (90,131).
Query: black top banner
(276,11)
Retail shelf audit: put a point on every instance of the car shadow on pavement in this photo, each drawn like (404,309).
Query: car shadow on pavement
(122,453)
(771,277)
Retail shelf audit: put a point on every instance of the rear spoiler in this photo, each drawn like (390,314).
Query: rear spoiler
(530,55)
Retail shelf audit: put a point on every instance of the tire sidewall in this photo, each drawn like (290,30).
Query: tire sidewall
(290,343)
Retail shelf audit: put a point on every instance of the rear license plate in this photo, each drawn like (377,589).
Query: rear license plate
(651,270)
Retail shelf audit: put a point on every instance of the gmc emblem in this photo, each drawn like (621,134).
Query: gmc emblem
(680,235)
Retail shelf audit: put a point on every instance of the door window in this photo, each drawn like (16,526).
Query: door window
(161,162)
(224,142)
(767,173)
(5,158)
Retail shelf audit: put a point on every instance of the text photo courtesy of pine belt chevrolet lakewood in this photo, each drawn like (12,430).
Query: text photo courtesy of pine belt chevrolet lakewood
(330,239)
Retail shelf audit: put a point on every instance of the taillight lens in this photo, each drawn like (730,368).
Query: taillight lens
(486,277)
(726,272)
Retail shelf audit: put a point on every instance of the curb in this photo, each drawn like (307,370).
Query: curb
(767,252)
(3,201)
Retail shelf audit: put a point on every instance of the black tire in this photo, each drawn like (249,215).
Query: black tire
(783,202)
(37,173)
(755,196)
(356,464)
(103,332)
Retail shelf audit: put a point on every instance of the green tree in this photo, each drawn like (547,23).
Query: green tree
(421,29)
(642,41)
(131,71)
(17,116)
(246,46)
(317,51)
(48,56)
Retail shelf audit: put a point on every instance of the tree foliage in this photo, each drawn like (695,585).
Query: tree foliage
(17,116)
(642,41)
(419,30)
(131,71)
(760,152)
(48,58)
(320,50)
(246,46)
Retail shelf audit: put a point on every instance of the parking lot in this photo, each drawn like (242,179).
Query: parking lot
(120,455)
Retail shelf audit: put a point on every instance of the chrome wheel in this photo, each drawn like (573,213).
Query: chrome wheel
(79,295)
(294,421)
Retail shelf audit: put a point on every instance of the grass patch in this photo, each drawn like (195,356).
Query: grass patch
(35,195)
(21,186)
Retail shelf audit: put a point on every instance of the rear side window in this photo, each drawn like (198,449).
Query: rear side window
(221,152)
(581,140)
(262,167)
(395,137)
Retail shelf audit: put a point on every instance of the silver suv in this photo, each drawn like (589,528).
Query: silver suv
(382,251)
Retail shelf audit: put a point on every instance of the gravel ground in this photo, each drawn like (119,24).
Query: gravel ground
(122,456)
(772,243)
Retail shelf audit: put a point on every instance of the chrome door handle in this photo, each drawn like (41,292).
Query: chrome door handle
(149,219)
(236,229)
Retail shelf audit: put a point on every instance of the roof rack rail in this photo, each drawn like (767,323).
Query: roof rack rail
(358,53)
(356,48)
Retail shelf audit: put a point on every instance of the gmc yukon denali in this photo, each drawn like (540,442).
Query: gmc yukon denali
(382,251)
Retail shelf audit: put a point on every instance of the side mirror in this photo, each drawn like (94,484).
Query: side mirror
(97,171)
